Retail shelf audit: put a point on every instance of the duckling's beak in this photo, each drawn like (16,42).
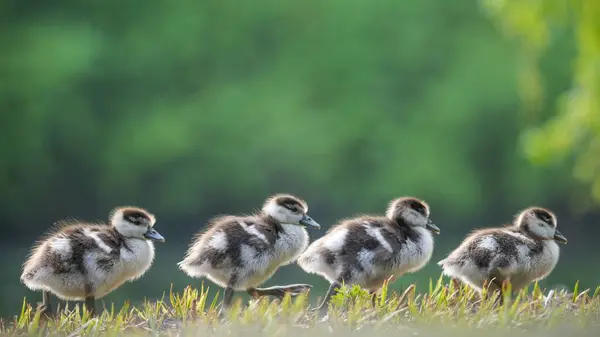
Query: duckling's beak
(558,237)
(153,235)
(308,221)
(432,227)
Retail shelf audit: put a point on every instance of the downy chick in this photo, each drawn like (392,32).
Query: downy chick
(521,253)
(86,261)
(239,253)
(367,250)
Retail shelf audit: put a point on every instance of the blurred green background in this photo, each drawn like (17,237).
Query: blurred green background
(196,108)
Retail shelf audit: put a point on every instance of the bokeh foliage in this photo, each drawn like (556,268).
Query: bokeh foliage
(195,108)
(573,133)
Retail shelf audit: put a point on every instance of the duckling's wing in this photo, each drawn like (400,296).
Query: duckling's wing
(365,245)
(494,250)
(223,245)
(71,259)
(386,242)
(258,233)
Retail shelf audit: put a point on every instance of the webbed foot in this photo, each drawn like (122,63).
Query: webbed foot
(45,309)
(280,291)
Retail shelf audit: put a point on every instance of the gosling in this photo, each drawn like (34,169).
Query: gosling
(521,253)
(86,261)
(239,253)
(368,250)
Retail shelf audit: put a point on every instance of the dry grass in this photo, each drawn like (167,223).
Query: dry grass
(440,310)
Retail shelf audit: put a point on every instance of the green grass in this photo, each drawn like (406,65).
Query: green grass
(439,310)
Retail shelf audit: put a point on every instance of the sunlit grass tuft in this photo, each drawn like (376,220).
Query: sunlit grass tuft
(438,309)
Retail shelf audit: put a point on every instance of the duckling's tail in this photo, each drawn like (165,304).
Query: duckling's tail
(26,276)
(31,278)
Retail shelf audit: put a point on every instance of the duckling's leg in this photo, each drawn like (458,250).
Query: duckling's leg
(280,291)
(90,301)
(456,283)
(226,304)
(90,305)
(325,304)
(45,307)
(228,296)
(497,284)
(373,294)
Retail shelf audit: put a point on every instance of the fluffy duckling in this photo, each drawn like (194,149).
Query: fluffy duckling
(521,253)
(242,252)
(86,261)
(367,250)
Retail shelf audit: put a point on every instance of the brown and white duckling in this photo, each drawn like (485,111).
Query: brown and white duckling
(242,252)
(86,261)
(521,253)
(367,250)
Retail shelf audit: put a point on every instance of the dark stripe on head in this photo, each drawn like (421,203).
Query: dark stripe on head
(397,205)
(289,201)
(544,215)
(532,213)
(134,215)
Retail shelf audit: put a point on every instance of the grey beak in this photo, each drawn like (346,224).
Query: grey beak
(153,235)
(432,227)
(558,237)
(309,222)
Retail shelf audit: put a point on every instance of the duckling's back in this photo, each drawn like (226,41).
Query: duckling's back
(80,260)
(366,251)
(228,243)
(500,252)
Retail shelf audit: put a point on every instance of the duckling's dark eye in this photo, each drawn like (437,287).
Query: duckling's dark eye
(293,209)
(418,207)
(545,218)
(136,220)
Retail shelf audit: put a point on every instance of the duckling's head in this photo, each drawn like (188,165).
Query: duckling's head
(133,222)
(411,211)
(289,209)
(540,223)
